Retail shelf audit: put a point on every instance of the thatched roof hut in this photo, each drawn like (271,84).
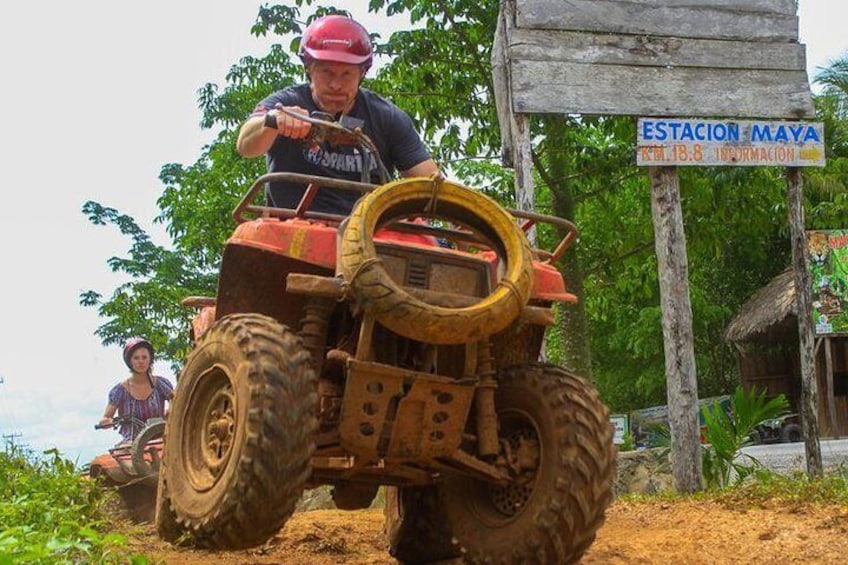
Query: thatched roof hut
(765,332)
(769,315)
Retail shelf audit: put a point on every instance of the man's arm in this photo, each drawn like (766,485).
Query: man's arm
(259,132)
(422,169)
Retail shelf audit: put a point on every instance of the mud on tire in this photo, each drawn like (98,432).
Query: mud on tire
(415,525)
(166,521)
(560,440)
(239,437)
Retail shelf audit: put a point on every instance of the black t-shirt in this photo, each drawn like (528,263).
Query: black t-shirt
(388,126)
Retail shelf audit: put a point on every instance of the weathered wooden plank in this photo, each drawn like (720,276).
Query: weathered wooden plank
(617,49)
(785,7)
(525,194)
(713,20)
(557,87)
(500,83)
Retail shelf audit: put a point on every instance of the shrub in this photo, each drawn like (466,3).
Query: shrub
(51,514)
(727,433)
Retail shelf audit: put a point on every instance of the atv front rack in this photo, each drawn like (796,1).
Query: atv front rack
(313,183)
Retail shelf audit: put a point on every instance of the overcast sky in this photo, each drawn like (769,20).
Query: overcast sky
(97,95)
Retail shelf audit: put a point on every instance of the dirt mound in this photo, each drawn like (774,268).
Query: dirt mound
(686,531)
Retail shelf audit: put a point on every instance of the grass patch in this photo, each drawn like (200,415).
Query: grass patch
(764,488)
(769,488)
(49,514)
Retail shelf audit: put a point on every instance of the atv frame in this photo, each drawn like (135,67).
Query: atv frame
(375,350)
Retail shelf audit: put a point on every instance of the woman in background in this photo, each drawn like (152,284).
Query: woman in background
(141,396)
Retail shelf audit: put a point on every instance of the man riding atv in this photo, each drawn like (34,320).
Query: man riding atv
(345,347)
(337,53)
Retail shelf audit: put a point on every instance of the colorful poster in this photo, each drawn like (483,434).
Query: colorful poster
(829,274)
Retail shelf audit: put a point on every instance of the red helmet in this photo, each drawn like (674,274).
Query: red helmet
(339,39)
(134,343)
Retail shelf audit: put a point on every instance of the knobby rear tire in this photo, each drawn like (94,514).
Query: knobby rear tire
(415,526)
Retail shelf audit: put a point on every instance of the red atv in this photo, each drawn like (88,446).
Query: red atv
(132,468)
(371,350)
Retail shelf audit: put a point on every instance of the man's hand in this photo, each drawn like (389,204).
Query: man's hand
(258,134)
(290,126)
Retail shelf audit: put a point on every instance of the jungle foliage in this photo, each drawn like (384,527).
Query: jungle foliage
(49,514)
(437,68)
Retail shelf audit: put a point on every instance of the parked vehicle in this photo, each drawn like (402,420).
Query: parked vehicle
(649,426)
(785,429)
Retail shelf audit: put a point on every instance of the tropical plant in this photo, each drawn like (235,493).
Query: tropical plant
(627,442)
(727,430)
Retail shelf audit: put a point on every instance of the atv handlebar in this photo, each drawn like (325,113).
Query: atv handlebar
(349,132)
(325,130)
(118,421)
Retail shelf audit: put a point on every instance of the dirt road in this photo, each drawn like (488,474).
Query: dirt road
(688,532)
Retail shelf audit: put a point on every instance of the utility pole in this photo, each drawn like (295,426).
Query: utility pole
(9,439)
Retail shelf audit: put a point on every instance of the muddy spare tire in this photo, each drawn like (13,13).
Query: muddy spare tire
(378,294)
(239,435)
(145,457)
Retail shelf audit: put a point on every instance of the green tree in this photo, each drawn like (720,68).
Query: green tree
(195,207)
(439,71)
(827,188)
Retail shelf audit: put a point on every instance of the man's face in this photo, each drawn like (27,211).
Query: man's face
(334,85)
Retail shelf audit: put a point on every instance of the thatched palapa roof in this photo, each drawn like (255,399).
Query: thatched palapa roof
(769,311)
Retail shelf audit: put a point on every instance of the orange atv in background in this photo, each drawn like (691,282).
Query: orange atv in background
(369,351)
(132,468)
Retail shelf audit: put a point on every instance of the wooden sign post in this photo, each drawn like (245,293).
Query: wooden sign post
(800,265)
(678,340)
(665,59)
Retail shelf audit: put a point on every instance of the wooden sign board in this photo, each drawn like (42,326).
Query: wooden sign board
(694,142)
(686,58)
